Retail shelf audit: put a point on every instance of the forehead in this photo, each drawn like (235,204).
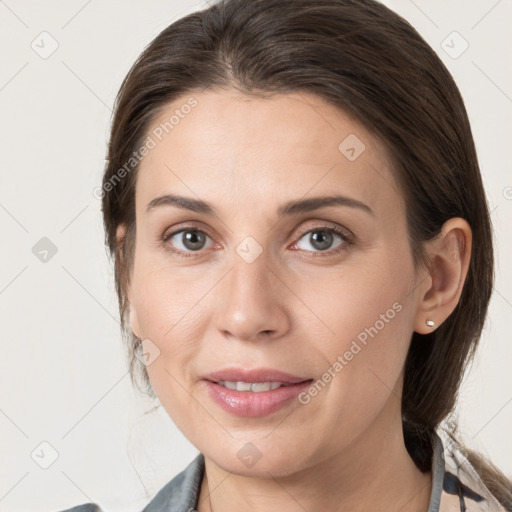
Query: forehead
(228,145)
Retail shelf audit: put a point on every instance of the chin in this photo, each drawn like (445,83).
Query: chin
(259,459)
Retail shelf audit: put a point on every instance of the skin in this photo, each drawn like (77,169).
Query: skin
(295,308)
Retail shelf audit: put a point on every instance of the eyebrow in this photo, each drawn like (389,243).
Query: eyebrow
(287,209)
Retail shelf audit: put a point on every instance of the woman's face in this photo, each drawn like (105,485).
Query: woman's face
(259,284)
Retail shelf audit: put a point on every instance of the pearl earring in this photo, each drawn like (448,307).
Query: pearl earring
(430,323)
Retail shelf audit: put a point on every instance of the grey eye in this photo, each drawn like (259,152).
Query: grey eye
(191,240)
(322,239)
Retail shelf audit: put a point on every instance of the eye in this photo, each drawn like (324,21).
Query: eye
(321,239)
(191,240)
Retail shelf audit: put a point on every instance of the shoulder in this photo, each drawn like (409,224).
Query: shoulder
(462,488)
(181,493)
(86,507)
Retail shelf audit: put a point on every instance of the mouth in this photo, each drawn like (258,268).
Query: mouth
(254,392)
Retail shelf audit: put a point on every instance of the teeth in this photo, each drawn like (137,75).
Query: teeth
(255,387)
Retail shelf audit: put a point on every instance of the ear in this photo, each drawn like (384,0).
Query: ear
(134,321)
(442,283)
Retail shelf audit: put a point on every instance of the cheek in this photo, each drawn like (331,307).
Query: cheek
(167,311)
(167,317)
(370,313)
(365,300)
(165,299)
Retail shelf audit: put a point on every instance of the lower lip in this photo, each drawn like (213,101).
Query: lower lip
(254,404)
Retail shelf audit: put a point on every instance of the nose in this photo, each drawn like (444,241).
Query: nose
(251,302)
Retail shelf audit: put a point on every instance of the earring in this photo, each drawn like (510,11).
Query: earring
(430,323)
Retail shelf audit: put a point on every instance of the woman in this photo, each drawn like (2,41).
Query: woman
(303,258)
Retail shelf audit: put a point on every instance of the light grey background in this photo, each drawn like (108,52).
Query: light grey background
(63,374)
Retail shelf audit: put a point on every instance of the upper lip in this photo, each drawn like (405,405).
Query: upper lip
(254,375)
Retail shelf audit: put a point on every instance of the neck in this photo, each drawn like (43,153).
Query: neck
(374,473)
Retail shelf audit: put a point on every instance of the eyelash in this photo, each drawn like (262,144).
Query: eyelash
(346,239)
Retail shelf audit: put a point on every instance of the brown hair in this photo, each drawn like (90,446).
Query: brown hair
(365,59)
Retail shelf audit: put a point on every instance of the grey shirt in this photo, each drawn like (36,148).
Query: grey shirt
(456,486)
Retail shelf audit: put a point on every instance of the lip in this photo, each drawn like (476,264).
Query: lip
(250,404)
(254,375)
